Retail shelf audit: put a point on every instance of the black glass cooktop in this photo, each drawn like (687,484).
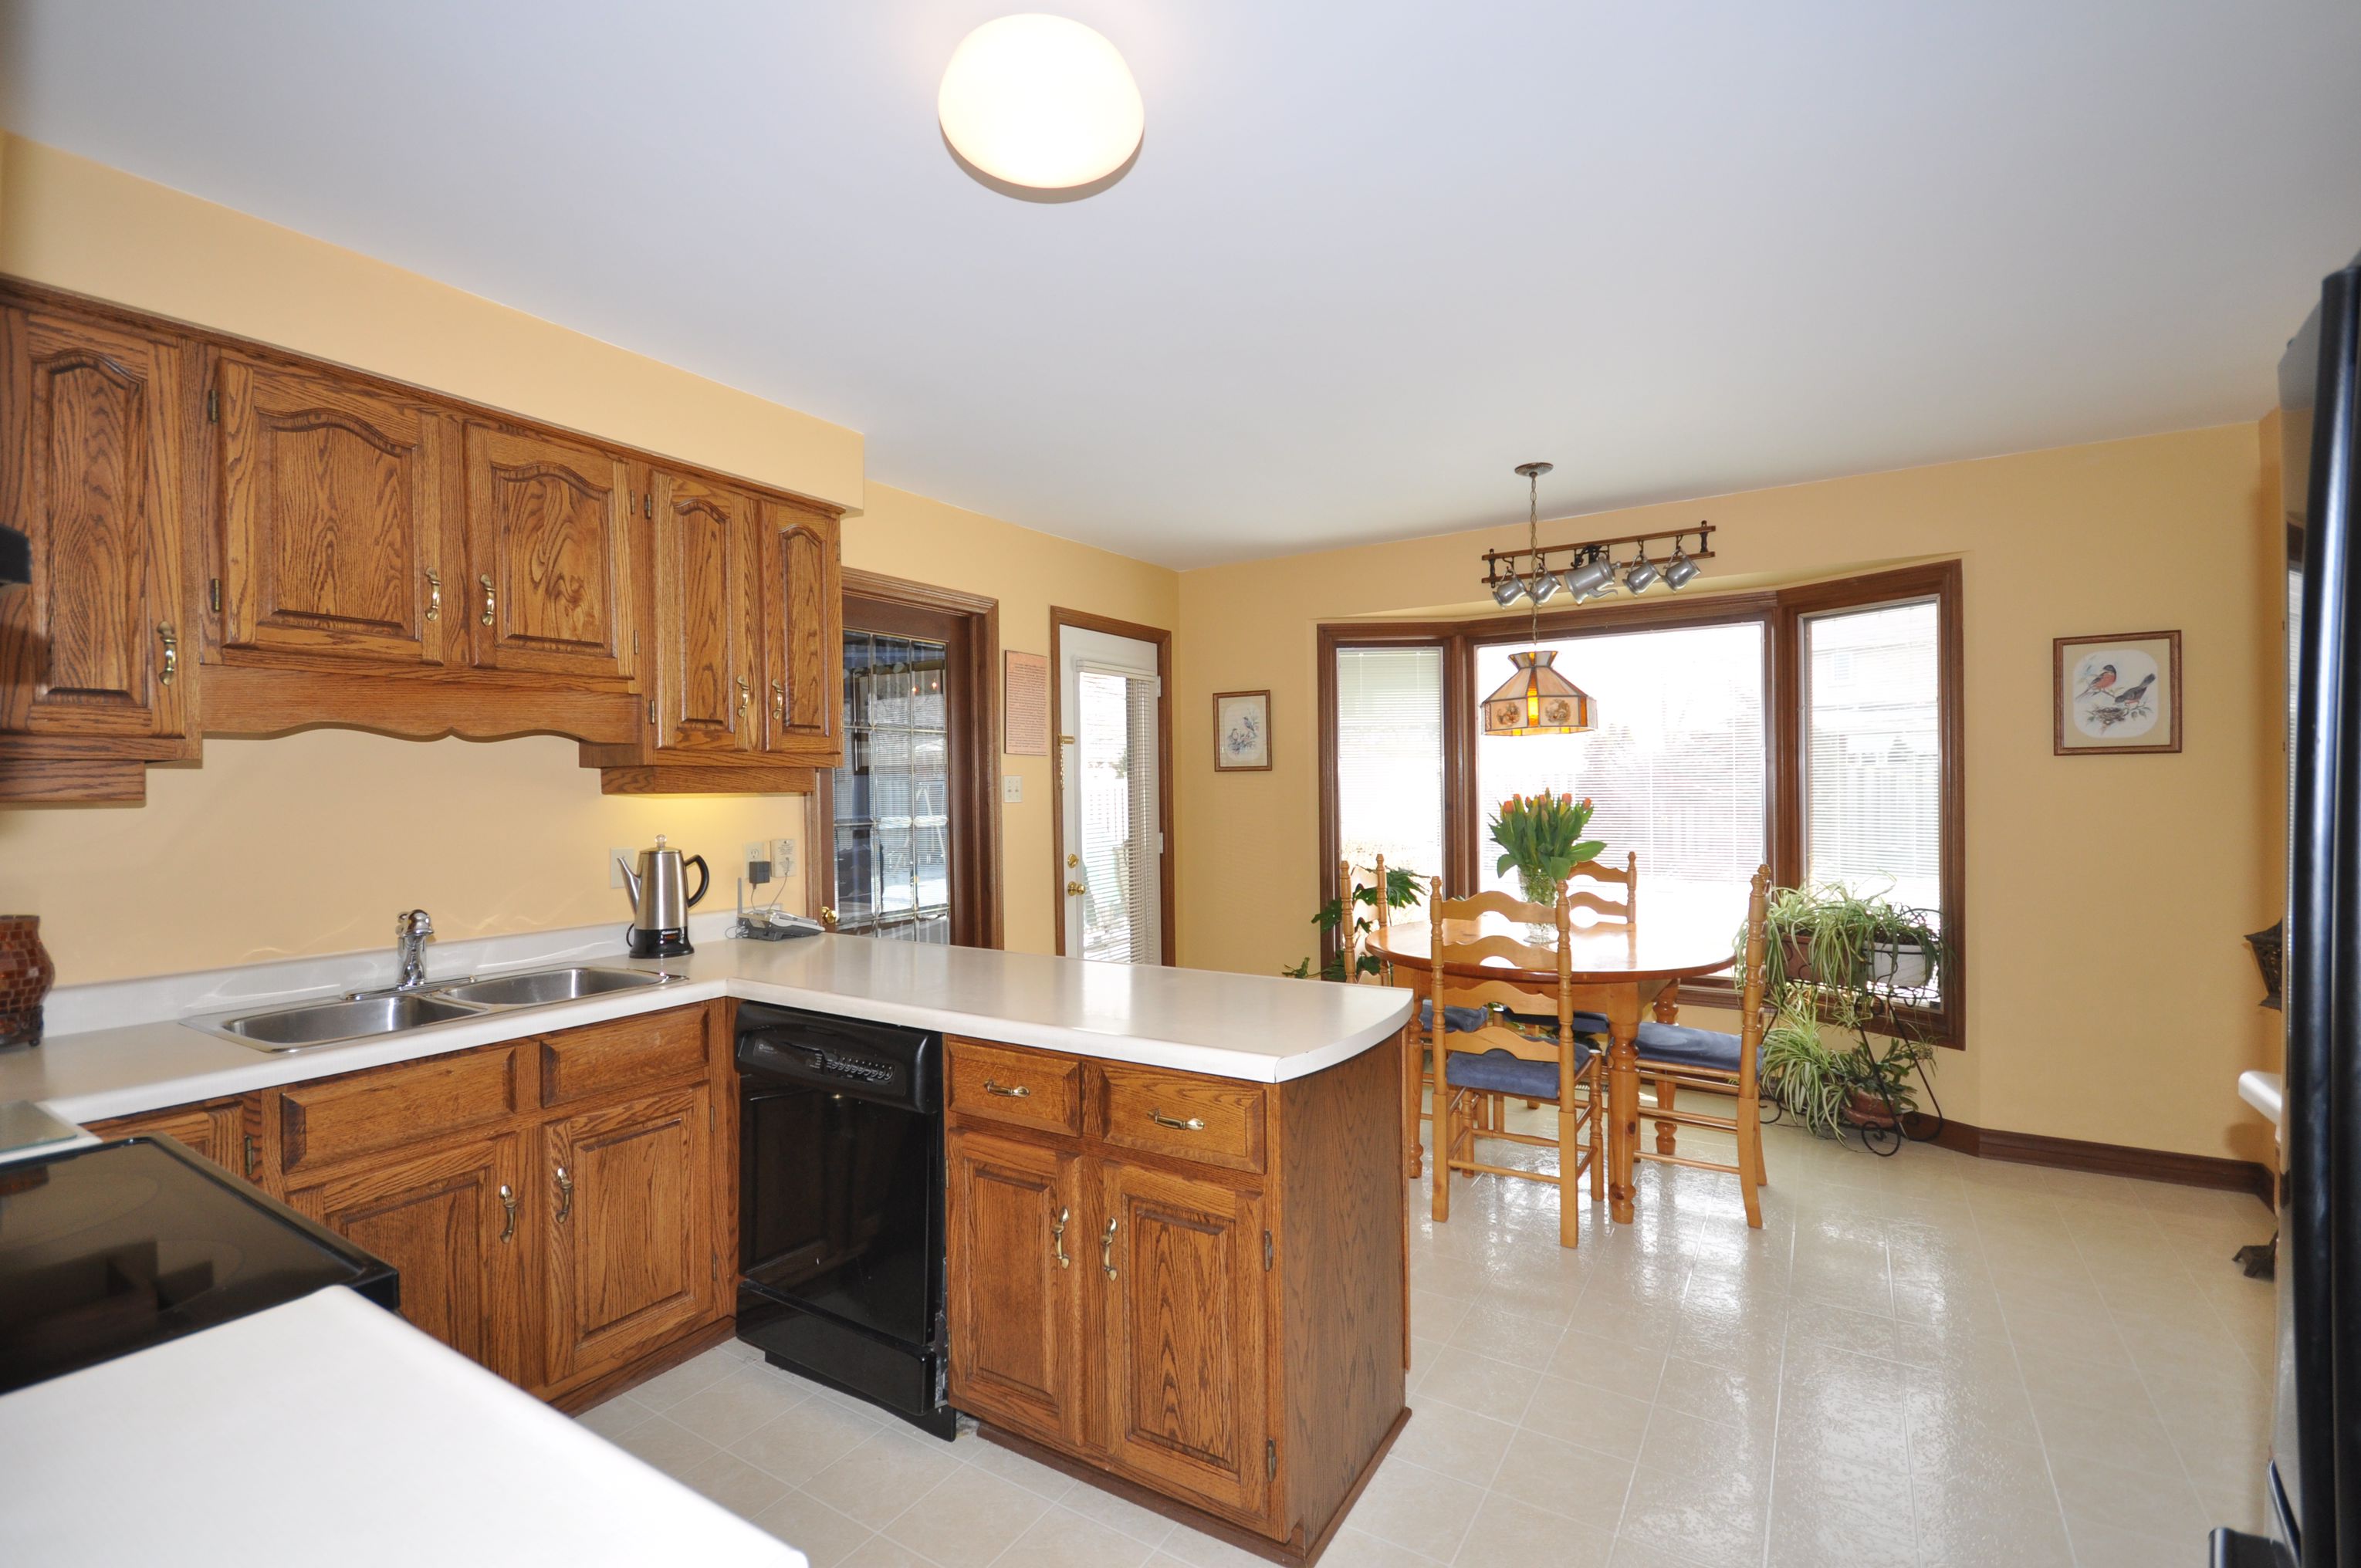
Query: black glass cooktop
(108,1250)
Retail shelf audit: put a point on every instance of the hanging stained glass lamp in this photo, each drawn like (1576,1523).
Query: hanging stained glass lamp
(1535,699)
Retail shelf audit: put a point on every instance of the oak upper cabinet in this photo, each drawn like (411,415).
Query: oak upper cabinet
(547,527)
(452,1223)
(630,1257)
(335,520)
(93,441)
(1183,1338)
(1019,1244)
(803,635)
(703,542)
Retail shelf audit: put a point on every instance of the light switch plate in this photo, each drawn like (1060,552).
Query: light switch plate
(1012,788)
(616,858)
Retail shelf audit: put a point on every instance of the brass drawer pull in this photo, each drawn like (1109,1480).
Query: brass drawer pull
(1057,1237)
(434,596)
(1193,1124)
(491,600)
(745,694)
(1012,1090)
(508,1201)
(566,1193)
(172,652)
(1106,1250)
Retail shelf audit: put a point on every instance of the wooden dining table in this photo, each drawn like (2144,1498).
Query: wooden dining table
(1622,972)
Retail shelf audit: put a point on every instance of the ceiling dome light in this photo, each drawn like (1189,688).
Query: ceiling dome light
(1041,102)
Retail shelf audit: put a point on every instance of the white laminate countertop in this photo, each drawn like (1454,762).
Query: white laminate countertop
(326,1429)
(1262,1028)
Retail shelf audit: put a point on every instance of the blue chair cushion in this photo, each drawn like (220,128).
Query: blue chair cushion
(1677,1044)
(1498,1073)
(1591,1024)
(1457,1020)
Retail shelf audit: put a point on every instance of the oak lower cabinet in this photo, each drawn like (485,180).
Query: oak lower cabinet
(631,1260)
(1195,1284)
(449,1223)
(559,1206)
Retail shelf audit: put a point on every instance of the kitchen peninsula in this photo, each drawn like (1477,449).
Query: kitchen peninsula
(1177,1255)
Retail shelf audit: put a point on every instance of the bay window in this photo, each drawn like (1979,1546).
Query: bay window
(1813,728)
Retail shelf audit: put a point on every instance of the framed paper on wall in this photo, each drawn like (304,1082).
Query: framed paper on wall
(2113,696)
(1241,732)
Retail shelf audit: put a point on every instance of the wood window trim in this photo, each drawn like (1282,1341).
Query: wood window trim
(1060,618)
(1780,613)
(875,602)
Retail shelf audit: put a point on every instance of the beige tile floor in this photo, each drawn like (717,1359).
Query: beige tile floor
(1925,1360)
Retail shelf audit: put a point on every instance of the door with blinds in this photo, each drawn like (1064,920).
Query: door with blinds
(1112,785)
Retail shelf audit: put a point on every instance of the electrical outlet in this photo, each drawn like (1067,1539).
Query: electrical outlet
(758,850)
(1012,788)
(616,858)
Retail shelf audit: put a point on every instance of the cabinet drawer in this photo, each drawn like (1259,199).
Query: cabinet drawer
(626,1054)
(395,1107)
(1028,1088)
(1212,1120)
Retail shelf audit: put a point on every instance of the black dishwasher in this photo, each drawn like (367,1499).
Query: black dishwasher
(840,1205)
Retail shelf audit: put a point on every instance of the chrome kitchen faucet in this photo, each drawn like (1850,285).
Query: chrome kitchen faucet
(409,933)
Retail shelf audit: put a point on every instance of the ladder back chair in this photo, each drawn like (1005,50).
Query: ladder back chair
(1479,1059)
(1708,1060)
(1350,880)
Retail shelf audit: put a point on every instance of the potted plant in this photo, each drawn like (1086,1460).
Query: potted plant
(1541,838)
(1842,964)
(1402,891)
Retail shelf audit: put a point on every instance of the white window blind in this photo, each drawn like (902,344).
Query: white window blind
(1873,716)
(1389,757)
(1123,838)
(1676,768)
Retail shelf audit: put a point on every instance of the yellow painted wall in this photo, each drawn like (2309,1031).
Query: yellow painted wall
(310,843)
(908,535)
(2110,996)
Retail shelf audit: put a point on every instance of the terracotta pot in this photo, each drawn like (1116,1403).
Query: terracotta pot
(25,976)
(1865,1108)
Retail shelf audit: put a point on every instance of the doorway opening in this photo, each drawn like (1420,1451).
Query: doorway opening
(1110,717)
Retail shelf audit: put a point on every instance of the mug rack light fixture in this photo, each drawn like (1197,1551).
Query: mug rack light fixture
(1591,569)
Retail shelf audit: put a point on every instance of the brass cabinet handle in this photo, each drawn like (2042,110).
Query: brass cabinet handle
(1057,1237)
(1106,1250)
(745,694)
(491,599)
(779,699)
(171,652)
(508,1201)
(1013,1091)
(1193,1124)
(433,595)
(566,1193)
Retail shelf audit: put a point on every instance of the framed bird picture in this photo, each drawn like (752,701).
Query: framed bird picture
(2115,695)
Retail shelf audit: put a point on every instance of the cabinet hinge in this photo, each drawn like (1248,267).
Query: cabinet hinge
(1270,1459)
(1266,1252)
(213,595)
(648,506)
(213,405)
(652,710)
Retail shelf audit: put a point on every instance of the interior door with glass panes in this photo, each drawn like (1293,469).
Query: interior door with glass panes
(891,799)
(1113,831)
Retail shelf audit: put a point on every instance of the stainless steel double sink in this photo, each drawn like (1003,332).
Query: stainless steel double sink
(364,1015)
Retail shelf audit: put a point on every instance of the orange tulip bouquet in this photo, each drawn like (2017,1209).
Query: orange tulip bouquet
(1541,837)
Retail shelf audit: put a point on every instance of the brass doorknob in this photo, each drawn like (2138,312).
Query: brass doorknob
(1075,890)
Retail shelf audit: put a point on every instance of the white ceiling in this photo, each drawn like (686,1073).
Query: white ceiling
(1373,254)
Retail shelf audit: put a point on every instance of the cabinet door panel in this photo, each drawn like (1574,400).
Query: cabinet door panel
(546,523)
(1014,1307)
(1186,1383)
(803,635)
(332,519)
(214,1131)
(630,1259)
(94,454)
(451,1224)
(705,673)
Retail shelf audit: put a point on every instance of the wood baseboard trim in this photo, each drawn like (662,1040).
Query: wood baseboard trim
(598,1390)
(1295,1551)
(2105,1159)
